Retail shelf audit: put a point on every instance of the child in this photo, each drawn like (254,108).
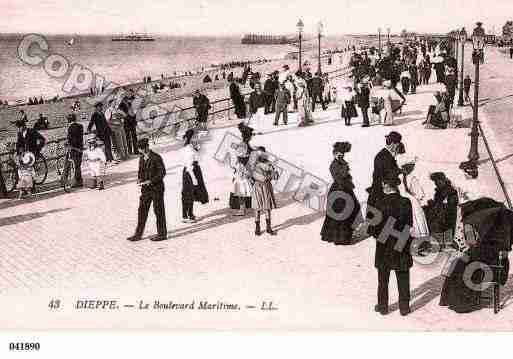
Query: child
(26,174)
(96,161)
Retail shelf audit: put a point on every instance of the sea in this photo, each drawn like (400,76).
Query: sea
(129,62)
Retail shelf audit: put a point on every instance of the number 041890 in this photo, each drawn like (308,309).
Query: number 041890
(24,346)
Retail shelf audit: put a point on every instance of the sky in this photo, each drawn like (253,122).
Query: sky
(234,17)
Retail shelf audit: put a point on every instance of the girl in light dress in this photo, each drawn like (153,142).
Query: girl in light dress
(26,174)
(304,104)
(411,189)
(96,162)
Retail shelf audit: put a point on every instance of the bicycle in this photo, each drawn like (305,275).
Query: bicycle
(66,168)
(11,177)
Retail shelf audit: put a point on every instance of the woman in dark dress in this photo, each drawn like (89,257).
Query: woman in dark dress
(465,274)
(342,208)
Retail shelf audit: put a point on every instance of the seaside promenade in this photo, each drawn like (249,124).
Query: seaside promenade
(72,246)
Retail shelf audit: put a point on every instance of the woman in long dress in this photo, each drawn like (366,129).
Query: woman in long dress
(193,186)
(263,200)
(340,230)
(304,105)
(389,113)
(240,198)
(412,190)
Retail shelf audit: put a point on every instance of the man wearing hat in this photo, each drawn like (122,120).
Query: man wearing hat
(202,104)
(29,139)
(393,245)
(317,87)
(269,91)
(151,179)
(384,165)
(76,142)
(103,130)
(364,101)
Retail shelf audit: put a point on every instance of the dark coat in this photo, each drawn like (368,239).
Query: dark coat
(201,103)
(152,170)
(441,212)
(317,85)
(76,135)
(384,163)
(256,101)
(32,142)
(99,121)
(388,256)
(234,91)
(364,97)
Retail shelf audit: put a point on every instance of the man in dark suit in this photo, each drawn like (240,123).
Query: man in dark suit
(76,142)
(364,102)
(103,130)
(317,89)
(269,91)
(393,245)
(130,124)
(151,179)
(384,165)
(237,99)
(29,139)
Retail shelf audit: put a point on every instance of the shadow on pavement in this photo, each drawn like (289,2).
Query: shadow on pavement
(283,200)
(28,217)
(424,294)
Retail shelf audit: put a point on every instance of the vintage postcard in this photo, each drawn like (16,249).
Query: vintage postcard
(289,165)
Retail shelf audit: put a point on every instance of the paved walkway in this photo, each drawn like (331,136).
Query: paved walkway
(72,246)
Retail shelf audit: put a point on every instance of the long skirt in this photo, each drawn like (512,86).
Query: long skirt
(263,196)
(420,225)
(200,191)
(340,230)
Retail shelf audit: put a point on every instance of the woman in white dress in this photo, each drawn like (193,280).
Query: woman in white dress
(303,104)
(412,190)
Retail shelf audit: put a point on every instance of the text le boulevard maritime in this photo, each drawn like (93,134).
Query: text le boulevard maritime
(160,305)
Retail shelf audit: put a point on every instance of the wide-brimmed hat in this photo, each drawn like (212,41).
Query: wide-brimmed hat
(28,159)
(394,137)
(438,176)
(341,147)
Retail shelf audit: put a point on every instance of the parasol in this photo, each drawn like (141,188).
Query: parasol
(491,219)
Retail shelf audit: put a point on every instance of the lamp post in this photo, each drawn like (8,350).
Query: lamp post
(478,37)
(463,39)
(300,26)
(320,27)
(388,36)
(379,42)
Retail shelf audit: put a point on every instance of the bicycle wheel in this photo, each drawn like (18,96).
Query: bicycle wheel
(41,170)
(10,176)
(68,175)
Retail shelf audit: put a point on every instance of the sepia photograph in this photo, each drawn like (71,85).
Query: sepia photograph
(212,165)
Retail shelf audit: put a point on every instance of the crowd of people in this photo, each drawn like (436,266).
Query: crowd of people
(398,215)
